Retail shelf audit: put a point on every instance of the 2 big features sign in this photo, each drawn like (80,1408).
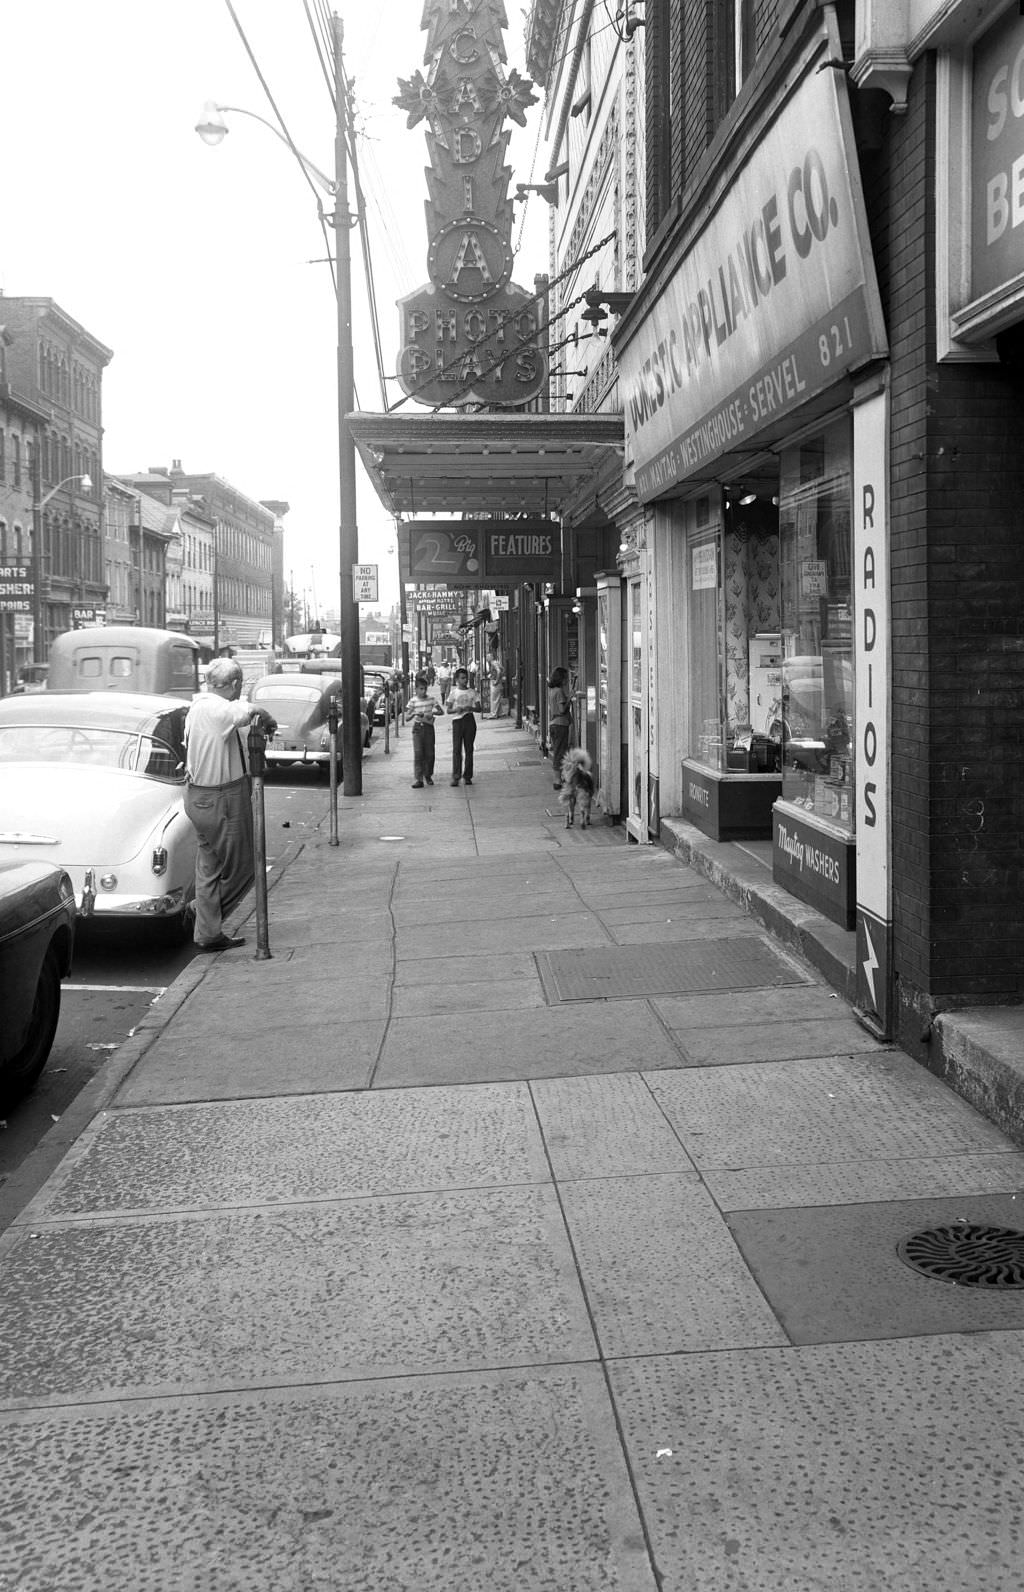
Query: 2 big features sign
(484,553)
(774,303)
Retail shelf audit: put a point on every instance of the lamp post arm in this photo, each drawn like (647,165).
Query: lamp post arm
(42,502)
(319,177)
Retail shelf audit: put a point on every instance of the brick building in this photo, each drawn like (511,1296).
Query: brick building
(246,581)
(56,366)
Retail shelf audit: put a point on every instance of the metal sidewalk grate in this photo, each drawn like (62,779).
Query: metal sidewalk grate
(966,1254)
(690,967)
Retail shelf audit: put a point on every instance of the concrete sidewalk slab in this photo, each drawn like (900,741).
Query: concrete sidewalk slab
(833,1275)
(495,995)
(817,1467)
(538,1044)
(310,1055)
(727,1044)
(868,1181)
(299,1148)
(605,1127)
(661,1272)
(836,1108)
(485,1476)
(276,1296)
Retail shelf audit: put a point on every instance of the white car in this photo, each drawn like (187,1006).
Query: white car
(95,782)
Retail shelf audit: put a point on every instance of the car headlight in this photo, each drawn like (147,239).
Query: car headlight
(159,859)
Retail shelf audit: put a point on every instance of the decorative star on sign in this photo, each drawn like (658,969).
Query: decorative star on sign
(417,98)
(515,94)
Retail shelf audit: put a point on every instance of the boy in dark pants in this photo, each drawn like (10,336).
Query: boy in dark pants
(460,705)
(421,711)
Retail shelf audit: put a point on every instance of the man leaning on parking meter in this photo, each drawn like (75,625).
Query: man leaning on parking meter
(218,799)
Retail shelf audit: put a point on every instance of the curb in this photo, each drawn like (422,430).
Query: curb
(24,1183)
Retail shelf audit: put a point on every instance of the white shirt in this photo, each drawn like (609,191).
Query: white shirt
(213,730)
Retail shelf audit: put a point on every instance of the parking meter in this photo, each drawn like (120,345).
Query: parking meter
(332,742)
(257,769)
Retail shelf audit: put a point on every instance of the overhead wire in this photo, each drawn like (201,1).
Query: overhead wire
(286,135)
(320,44)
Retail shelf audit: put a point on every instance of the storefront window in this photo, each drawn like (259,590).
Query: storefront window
(735,642)
(707,726)
(816,706)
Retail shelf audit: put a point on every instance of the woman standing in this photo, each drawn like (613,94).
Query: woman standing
(461,703)
(559,721)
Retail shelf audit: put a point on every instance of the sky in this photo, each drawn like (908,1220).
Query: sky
(203,268)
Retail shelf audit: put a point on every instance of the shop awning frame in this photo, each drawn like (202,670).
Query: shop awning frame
(535,464)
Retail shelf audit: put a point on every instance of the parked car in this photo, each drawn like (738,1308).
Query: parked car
(376,683)
(300,703)
(31,677)
(37,935)
(95,782)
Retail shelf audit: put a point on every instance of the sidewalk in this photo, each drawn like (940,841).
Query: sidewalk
(528,1221)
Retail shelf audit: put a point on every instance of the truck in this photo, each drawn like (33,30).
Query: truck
(125,658)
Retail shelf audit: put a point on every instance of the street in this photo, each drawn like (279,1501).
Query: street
(118,973)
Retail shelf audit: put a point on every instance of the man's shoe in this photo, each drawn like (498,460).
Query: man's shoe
(467,782)
(429,780)
(223,942)
(455,782)
(417,784)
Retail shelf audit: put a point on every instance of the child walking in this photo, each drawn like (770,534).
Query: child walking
(461,704)
(421,711)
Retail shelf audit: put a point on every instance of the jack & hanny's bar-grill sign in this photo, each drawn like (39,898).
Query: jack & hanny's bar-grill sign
(469,336)
(484,552)
(775,301)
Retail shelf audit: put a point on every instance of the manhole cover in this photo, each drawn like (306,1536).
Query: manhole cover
(968,1255)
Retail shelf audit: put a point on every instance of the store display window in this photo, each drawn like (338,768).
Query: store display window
(816,699)
(734,631)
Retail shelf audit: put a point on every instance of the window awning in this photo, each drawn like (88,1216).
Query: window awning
(483,464)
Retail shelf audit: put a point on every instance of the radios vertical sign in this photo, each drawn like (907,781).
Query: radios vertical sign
(871,670)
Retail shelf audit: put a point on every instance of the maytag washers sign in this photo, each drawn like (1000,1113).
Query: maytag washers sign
(774,302)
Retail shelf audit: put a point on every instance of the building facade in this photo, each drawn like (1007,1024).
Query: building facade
(246,584)
(57,366)
(821,377)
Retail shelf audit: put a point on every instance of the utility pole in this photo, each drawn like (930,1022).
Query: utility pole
(348,535)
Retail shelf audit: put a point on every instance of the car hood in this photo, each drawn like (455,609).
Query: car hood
(90,815)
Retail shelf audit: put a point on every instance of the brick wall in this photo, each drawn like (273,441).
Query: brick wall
(957,589)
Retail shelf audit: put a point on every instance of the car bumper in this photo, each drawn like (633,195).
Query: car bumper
(297,754)
(96,904)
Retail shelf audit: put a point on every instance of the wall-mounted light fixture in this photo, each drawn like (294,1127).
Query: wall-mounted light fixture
(599,302)
(547,190)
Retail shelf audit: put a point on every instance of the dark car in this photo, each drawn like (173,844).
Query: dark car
(300,703)
(376,687)
(37,936)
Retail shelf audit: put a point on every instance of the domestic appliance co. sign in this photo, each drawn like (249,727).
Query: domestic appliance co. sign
(775,301)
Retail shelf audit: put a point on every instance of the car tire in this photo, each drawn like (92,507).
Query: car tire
(20,1073)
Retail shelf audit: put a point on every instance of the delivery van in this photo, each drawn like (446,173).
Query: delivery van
(125,658)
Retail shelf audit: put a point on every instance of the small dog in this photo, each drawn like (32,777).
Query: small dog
(577,786)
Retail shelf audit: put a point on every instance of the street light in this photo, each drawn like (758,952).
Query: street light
(212,129)
(38,505)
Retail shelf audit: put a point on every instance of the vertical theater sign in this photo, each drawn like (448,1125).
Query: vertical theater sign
(469,336)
